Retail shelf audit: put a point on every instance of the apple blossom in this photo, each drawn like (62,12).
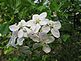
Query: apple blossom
(52,26)
(44,39)
(39,29)
(37,21)
(21,31)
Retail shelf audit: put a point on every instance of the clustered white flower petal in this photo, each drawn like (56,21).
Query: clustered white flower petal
(39,29)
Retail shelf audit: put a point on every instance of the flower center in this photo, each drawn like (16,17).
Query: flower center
(51,24)
(37,21)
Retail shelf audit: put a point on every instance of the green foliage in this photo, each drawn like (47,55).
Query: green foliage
(66,48)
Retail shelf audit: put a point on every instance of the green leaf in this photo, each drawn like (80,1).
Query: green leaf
(8,50)
(65,37)
(4,28)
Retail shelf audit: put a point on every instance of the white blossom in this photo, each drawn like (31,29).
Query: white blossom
(40,29)
(44,39)
(21,30)
(52,26)
(37,21)
(55,26)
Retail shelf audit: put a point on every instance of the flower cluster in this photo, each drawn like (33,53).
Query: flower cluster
(39,29)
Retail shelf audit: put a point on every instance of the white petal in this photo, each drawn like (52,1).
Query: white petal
(44,22)
(35,17)
(45,29)
(12,41)
(43,15)
(33,28)
(45,38)
(57,25)
(50,39)
(20,33)
(36,28)
(30,23)
(25,34)
(22,23)
(55,33)
(42,36)
(13,27)
(34,37)
(27,30)
(15,34)
(46,49)
(20,41)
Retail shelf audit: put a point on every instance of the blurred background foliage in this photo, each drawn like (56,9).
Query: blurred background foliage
(66,48)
